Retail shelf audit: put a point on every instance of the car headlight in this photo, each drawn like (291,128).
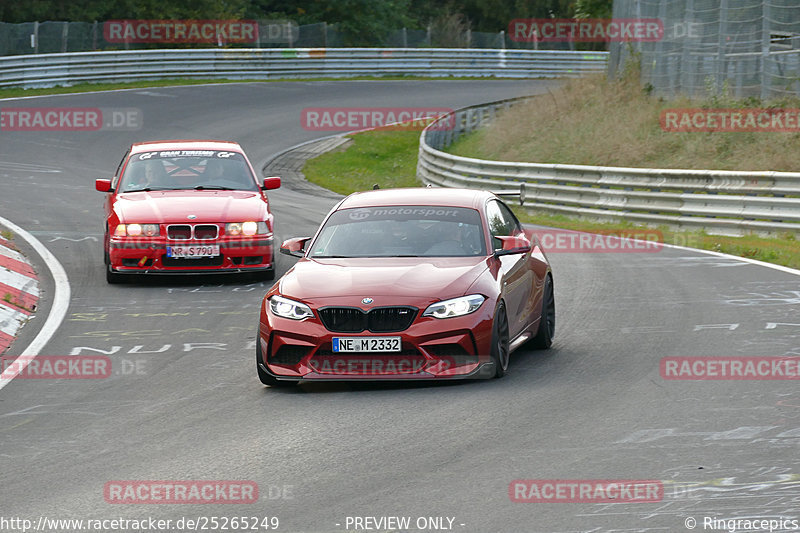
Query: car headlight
(287,308)
(461,306)
(137,230)
(246,228)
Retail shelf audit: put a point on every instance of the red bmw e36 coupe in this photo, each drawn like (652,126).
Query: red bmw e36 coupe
(407,284)
(187,207)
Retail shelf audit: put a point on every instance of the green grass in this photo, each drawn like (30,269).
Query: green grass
(92,87)
(386,158)
(389,158)
(7,234)
(783,250)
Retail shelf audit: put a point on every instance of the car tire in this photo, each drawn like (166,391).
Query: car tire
(111,277)
(269,274)
(263,275)
(547,324)
(265,377)
(266,275)
(500,346)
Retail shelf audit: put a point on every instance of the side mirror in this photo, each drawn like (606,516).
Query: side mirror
(102,185)
(513,245)
(271,182)
(295,247)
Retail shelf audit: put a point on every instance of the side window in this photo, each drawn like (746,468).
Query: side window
(502,222)
(512,223)
(115,181)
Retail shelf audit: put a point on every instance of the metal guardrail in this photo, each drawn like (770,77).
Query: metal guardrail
(47,70)
(720,202)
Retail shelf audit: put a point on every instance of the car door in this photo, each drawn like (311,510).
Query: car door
(516,277)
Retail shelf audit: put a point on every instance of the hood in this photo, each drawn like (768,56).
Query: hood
(403,277)
(165,207)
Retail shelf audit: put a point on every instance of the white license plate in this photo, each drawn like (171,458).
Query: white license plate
(191,252)
(366,344)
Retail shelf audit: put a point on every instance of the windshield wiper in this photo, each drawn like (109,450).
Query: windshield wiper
(148,189)
(212,188)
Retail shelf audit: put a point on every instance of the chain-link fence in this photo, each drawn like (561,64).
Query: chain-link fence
(741,48)
(54,37)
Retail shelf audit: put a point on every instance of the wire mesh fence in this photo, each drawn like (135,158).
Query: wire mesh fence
(740,48)
(54,37)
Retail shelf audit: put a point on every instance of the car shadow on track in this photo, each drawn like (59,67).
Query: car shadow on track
(194,280)
(525,366)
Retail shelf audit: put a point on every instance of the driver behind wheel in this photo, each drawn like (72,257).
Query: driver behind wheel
(214,172)
(149,175)
(225,173)
(454,239)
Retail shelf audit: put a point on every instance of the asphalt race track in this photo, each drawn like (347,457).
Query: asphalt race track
(184,402)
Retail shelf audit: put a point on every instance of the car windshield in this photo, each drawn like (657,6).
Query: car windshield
(187,169)
(401,231)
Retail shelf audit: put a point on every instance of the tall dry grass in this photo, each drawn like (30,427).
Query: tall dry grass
(593,121)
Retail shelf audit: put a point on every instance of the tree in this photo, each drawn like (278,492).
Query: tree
(495,15)
(593,9)
(90,10)
(362,22)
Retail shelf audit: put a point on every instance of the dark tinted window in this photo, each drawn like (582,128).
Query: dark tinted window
(401,231)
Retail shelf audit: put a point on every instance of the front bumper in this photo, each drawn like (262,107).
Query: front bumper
(453,348)
(484,371)
(150,257)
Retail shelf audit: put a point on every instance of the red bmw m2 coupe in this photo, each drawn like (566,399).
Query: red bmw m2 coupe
(404,284)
